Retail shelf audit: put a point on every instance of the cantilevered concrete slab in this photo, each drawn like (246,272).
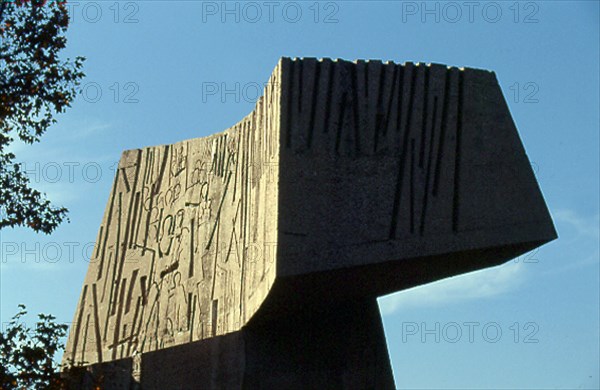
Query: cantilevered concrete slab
(253,258)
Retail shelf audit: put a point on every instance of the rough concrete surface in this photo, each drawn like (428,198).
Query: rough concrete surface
(253,258)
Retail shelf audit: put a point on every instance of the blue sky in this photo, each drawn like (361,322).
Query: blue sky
(531,323)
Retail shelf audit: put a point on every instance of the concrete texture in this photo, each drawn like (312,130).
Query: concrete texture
(252,258)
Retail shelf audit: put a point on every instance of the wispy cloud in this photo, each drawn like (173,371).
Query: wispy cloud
(579,241)
(584,226)
(474,285)
(53,145)
(61,193)
(576,230)
(90,129)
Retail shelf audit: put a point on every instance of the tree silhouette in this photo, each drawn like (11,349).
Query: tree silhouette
(35,85)
(27,355)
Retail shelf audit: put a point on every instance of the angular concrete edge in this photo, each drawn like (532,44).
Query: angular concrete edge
(349,180)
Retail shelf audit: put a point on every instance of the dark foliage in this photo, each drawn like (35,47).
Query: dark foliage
(27,354)
(35,85)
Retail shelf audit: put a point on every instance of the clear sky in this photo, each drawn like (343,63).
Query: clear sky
(531,323)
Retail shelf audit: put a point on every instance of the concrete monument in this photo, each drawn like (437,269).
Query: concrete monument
(253,258)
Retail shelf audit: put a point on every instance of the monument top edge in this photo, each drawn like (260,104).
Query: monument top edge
(378,61)
(283,59)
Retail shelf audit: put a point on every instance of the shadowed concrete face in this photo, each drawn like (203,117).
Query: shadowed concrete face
(243,255)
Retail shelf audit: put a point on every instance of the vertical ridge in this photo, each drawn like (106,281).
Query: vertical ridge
(379,110)
(133,325)
(289,109)
(300,84)
(340,123)
(130,290)
(78,322)
(429,168)
(313,106)
(355,108)
(391,99)
(402,157)
(329,98)
(98,253)
(191,266)
(440,151)
(412,185)
(97,324)
(424,117)
(400,98)
(456,197)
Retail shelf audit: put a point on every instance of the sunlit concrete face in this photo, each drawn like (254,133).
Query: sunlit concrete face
(186,250)
(348,181)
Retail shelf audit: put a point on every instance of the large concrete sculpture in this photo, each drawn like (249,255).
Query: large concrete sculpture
(253,258)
